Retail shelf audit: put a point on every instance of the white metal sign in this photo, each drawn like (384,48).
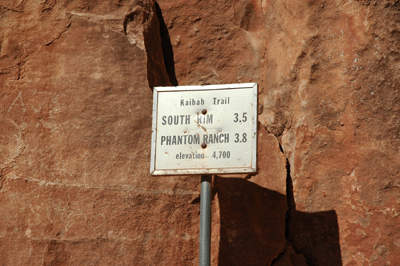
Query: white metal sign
(204,129)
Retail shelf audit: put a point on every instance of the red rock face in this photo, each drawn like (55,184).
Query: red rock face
(328,93)
(75,125)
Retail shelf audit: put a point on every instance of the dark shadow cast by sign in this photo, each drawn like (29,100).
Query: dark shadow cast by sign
(254,227)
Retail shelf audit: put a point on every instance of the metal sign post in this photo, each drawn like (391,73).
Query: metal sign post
(205,221)
(204,130)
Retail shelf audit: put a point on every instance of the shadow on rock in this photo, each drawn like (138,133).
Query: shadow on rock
(316,236)
(252,225)
(255,228)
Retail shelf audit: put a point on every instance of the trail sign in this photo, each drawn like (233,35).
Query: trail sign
(204,129)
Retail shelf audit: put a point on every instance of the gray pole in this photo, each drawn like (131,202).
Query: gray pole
(205,221)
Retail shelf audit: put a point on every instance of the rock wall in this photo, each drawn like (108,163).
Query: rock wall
(75,124)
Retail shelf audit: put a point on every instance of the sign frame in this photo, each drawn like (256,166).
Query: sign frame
(202,171)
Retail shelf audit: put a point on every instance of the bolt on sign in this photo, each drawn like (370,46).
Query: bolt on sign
(204,129)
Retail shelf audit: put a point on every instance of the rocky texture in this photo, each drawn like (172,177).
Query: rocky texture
(75,139)
(328,91)
(75,117)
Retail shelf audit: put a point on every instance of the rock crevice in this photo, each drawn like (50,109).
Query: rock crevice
(145,27)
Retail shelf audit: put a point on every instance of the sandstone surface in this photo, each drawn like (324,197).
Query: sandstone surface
(75,124)
(329,92)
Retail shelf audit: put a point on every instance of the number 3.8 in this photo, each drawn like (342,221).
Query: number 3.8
(244,118)
(244,138)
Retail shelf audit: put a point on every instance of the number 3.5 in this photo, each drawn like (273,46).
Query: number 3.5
(244,118)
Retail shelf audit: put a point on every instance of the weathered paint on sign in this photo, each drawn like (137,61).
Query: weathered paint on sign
(204,129)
